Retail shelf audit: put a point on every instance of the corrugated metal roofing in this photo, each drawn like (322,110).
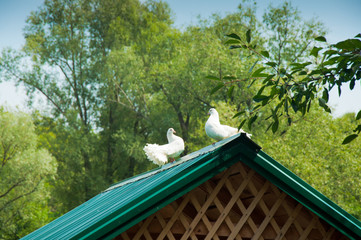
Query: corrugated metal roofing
(124,204)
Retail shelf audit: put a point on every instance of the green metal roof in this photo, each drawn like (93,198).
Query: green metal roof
(124,204)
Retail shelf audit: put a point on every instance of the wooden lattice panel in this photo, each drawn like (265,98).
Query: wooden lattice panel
(236,204)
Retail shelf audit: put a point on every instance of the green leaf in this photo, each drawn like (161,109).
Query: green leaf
(265,54)
(275,125)
(323,104)
(330,52)
(251,83)
(325,95)
(230,92)
(233,35)
(314,51)
(272,64)
(260,90)
(213,78)
(251,121)
(321,39)
(248,35)
(302,73)
(216,88)
(260,98)
(256,107)
(294,106)
(358,129)
(352,84)
(349,44)
(268,78)
(257,73)
(232,41)
(235,46)
(251,69)
(269,126)
(282,72)
(358,116)
(238,114)
(349,138)
(358,35)
(229,77)
(242,123)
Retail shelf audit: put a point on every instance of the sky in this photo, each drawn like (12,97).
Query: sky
(342,19)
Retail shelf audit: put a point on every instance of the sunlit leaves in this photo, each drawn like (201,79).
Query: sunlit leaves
(26,170)
(301,83)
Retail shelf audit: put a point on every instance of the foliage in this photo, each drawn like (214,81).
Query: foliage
(315,155)
(294,84)
(26,171)
(298,87)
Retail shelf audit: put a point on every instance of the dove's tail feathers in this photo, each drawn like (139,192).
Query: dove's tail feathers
(154,154)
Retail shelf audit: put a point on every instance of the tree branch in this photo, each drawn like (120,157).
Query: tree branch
(20,196)
(20,79)
(11,188)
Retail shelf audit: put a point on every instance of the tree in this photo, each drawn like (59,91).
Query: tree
(315,155)
(26,172)
(67,46)
(296,83)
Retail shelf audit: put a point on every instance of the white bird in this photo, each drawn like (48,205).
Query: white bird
(159,154)
(216,130)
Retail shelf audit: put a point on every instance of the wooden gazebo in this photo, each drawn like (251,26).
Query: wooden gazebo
(232,190)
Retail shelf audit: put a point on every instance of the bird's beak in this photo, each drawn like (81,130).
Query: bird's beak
(174,131)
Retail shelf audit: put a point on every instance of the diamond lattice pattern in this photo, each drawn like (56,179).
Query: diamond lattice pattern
(236,204)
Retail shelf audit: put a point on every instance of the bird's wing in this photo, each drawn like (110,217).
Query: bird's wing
(229,131)
(215,130)
(175,148)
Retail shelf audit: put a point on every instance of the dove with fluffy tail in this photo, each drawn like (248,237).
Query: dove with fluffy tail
(159,154)
(216,130)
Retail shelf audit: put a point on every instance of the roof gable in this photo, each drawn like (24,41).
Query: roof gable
(123,205)
(237,203)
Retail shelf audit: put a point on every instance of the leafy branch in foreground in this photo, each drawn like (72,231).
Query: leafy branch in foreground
(301,83)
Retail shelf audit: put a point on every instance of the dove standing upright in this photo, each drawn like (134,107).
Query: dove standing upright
(216,130)
(159,154)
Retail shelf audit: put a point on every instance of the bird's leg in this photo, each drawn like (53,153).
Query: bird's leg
(172,159)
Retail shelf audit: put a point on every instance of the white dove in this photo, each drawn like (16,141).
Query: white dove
(216,130)
(159,154)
